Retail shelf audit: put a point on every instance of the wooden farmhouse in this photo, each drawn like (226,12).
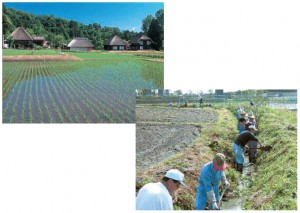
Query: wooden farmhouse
(22,39)
(115,43)
(140,42)
(80,44)
(39,40)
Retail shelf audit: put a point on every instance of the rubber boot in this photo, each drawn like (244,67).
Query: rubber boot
(239,168)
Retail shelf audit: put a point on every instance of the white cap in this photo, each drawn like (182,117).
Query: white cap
(252,127)
(176,175)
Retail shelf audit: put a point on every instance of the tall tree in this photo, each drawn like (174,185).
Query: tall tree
(159,15)
(155,34)
(7,24)
(146,23)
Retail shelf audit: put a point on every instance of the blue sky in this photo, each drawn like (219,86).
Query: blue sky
(125,15)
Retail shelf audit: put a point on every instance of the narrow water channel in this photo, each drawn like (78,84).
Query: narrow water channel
(237,203)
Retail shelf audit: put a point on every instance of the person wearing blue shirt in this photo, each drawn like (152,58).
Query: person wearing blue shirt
(210,176)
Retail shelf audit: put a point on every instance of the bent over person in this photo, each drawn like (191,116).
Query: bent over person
(240,143)
(157,196)
(211,175)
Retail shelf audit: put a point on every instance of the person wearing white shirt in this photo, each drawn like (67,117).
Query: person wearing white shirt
(157,196)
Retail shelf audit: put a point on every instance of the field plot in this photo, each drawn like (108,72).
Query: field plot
(162,132)
(90,91)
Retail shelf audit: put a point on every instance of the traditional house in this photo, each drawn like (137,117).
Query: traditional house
(80,44)
(39,40)
(115,43)
(21,38)
(141,42)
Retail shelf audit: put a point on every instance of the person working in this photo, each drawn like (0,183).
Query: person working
(211,175)
(239,144)
(241,125)
(200,100)
(157,196)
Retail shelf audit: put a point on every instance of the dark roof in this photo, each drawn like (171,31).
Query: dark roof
(21,34)
(115,40)
(139,38)
(80,42)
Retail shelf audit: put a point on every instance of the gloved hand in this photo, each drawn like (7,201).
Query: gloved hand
(215,206)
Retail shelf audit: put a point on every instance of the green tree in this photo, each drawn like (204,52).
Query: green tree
(159,15)
(59,40)
(146,23)
(7,24)
(155,34)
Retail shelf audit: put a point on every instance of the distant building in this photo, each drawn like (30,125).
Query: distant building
(219,92)
(115,43)
(80,44)
(141,42)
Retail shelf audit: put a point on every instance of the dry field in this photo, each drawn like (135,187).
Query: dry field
(163,132)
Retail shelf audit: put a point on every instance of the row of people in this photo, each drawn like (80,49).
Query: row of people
(247,140)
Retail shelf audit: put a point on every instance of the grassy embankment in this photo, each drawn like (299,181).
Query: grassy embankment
(274,185)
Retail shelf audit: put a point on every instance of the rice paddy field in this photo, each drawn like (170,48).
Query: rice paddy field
(95,90)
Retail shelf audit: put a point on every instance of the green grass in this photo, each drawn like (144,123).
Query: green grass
(15,52)
(112,55)
(276,179)
(101,55)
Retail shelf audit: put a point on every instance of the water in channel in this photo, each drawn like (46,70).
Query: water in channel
(237,203)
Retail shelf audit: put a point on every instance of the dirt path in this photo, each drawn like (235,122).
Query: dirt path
(163,132)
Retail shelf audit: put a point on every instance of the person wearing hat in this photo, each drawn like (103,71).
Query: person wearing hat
(251,118)
(211,175)
(157,196)
(238,111)
(243,115)
(239,145)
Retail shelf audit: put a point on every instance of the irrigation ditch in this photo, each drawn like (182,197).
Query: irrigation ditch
(187,138)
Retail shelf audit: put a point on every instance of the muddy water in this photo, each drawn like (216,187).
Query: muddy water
(237,203)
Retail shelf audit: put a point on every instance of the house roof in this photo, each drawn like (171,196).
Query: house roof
(80,42)
(21,34)
(38,38)
(139,38)
(115,40)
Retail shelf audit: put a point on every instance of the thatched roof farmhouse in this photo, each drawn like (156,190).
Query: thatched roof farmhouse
(22,38)
(80,44)
(141,42)
(115,43)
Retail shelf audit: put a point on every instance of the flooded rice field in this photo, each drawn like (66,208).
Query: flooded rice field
(75,92)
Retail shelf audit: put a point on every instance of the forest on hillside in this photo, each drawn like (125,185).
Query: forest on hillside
(58,31)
